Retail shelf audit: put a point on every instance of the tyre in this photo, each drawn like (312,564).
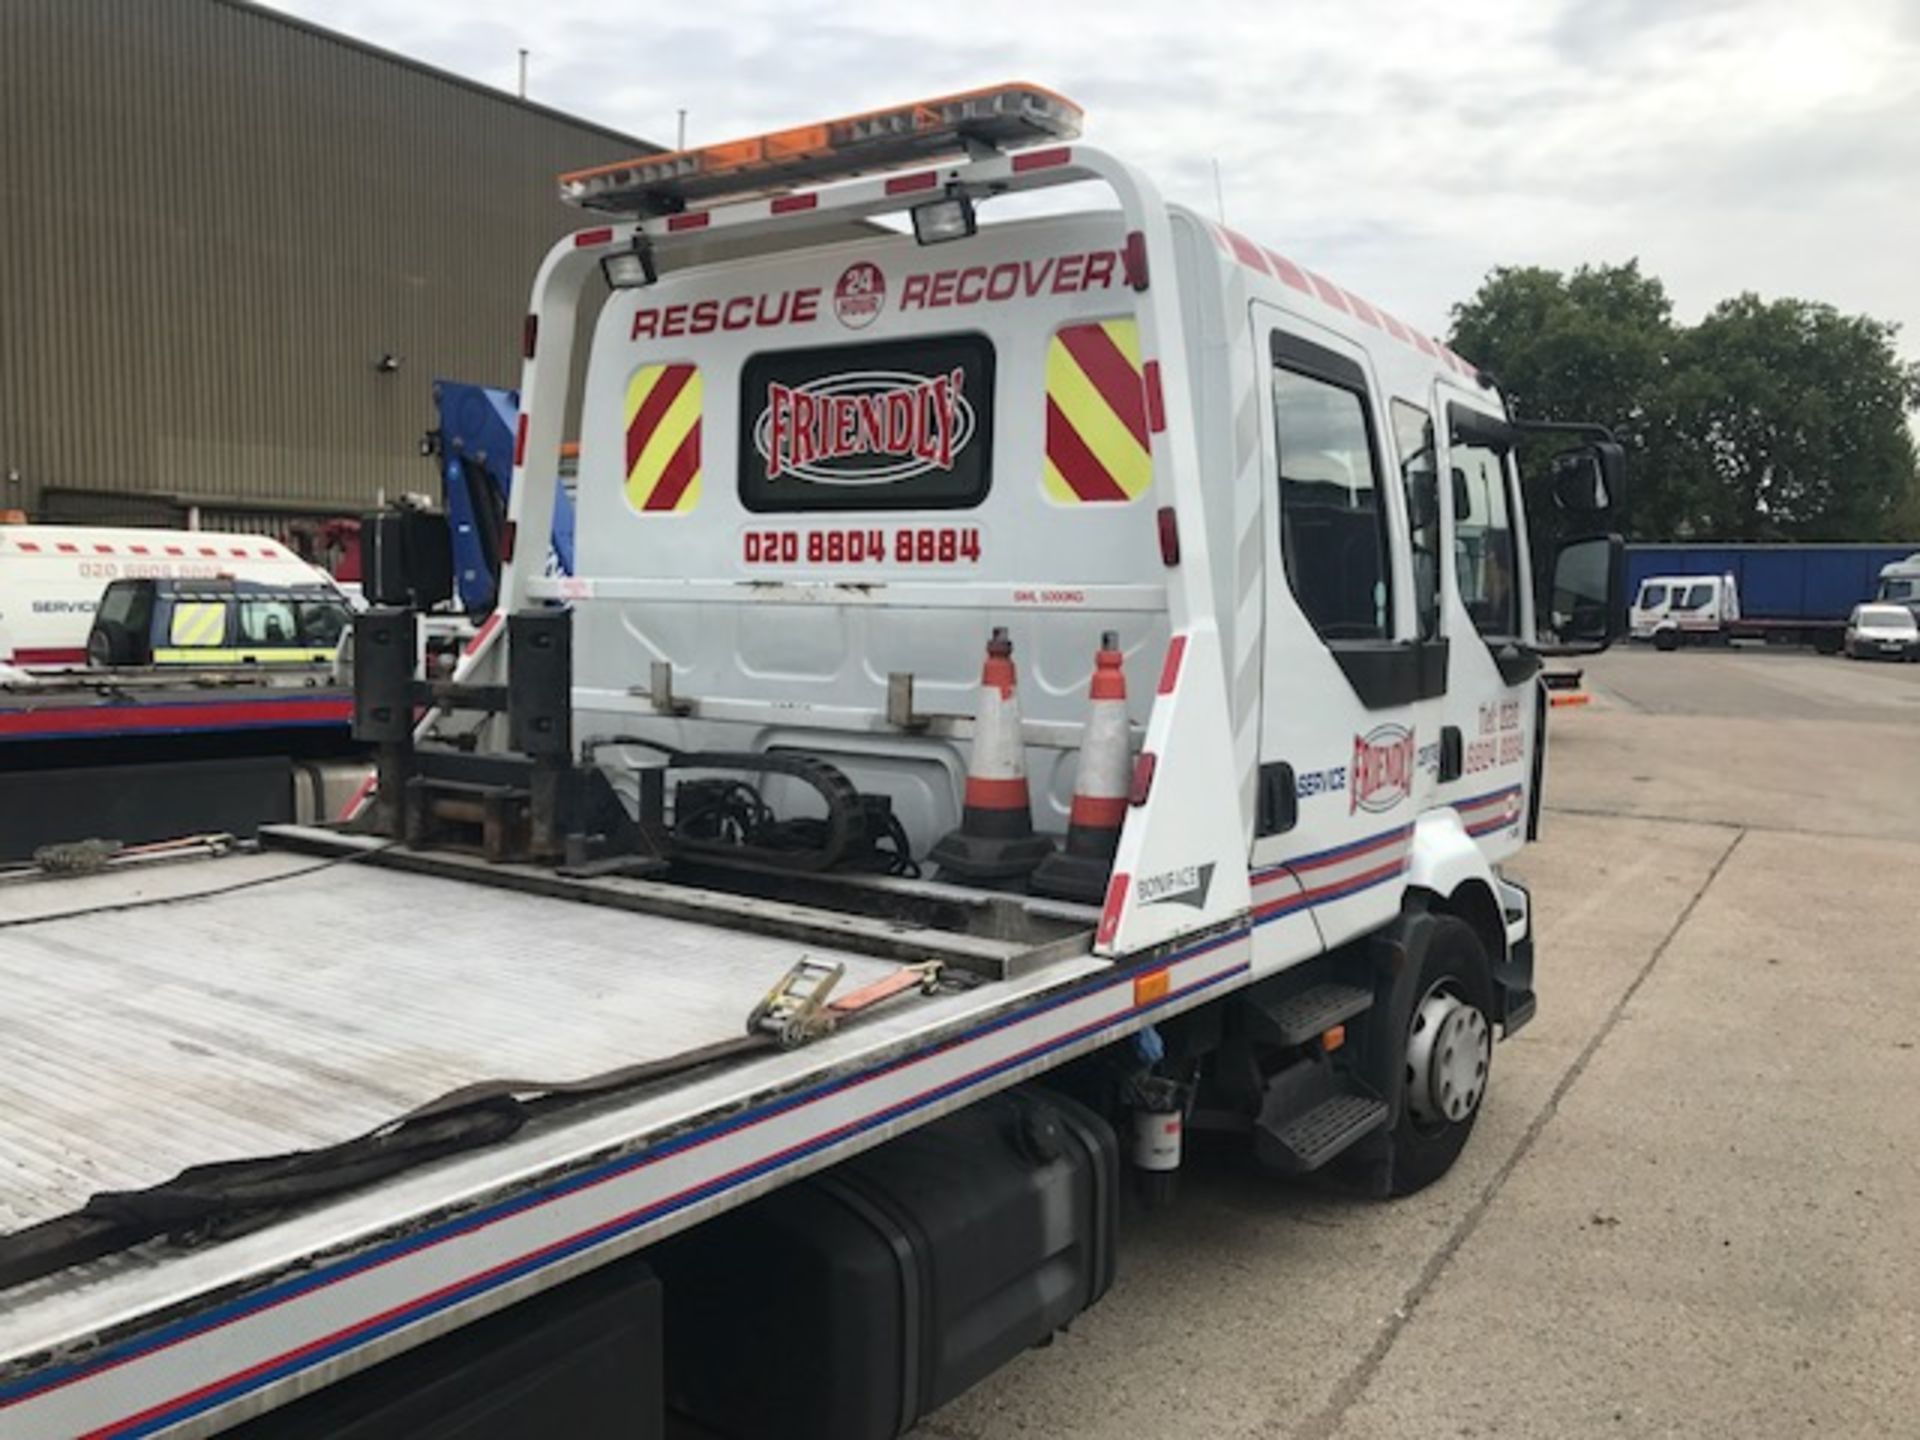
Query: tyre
(1446,1057)
(1666,639)
(1441,999)
(109,644)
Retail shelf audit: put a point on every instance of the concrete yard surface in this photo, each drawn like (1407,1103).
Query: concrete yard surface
(1691,1207)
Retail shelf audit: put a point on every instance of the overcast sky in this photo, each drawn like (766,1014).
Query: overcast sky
(1400,146)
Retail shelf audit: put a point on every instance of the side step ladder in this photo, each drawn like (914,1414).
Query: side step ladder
(1311,1112)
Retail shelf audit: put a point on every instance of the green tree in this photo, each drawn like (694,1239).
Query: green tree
(1798,416)
(1768,419)
(1594,345)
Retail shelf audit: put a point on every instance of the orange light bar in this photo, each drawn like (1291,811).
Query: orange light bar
(1001,117)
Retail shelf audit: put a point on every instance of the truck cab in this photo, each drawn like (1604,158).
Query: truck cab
(1899,583)
(1669,610)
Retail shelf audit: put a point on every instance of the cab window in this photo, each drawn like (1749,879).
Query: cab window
(1652,597)
(1420,479)
(1333,526)
(268,623)
(321,622)
(1485,550)
(127,604)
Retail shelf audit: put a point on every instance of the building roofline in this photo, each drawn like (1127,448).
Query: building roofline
(320,32)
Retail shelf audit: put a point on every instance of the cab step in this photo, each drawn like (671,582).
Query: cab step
(1308,1014)
(1308,1141)
(1309,1113)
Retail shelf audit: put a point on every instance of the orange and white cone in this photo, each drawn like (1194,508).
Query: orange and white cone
(995,840)
(1099,787)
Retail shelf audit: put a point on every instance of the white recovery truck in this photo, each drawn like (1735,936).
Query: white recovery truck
(711,948)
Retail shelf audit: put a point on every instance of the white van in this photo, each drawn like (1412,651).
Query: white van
(51,577)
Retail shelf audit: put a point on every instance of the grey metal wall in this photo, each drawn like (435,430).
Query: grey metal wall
(213,223)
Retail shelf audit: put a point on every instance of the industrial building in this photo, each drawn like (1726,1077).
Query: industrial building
(235,252)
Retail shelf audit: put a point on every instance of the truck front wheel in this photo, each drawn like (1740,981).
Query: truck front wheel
(1447,1057)
(1428,1052)
(1666,639)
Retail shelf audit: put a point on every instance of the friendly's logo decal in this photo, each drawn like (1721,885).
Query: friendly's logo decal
(860,295)
(1381,775)
(864,427)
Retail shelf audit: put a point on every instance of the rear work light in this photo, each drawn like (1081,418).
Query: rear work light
(1001,117)
(948,218)
(629,269)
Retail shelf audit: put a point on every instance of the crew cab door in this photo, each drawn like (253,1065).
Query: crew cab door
(1342,667)
(1493,706)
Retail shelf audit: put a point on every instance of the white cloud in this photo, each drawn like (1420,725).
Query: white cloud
(1403,147)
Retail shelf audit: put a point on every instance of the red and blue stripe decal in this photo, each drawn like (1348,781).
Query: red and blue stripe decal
(202,1399)
(1323,876)
(1492,812)
(72,722)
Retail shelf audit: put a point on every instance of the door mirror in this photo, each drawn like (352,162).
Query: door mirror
(1590,479)
(1586,599)
(1423,496)
(1462,497)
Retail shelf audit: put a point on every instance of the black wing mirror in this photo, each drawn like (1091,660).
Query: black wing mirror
(1586,597)
(1590,479)
(1462,497)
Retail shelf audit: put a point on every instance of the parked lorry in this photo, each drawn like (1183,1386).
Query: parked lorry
(1023,685)
(1900,582)
(1779,594)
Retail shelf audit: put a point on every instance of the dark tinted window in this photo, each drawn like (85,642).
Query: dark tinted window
(321,622)
(903,425)
(125,603)
(1332,524)
(1420,477)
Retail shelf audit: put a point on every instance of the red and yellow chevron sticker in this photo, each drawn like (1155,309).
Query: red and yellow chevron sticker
(1097,450)
(663,439)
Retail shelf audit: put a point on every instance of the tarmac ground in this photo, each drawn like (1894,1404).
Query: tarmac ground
(1691,1206)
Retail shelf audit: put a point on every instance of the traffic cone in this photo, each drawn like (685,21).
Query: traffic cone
(995,840)
(1099,788)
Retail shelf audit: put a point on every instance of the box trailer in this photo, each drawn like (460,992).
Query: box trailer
(1781,594)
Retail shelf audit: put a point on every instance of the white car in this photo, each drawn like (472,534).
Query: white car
(1887,631)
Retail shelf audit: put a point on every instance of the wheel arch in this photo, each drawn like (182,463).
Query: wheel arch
(1450,875)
